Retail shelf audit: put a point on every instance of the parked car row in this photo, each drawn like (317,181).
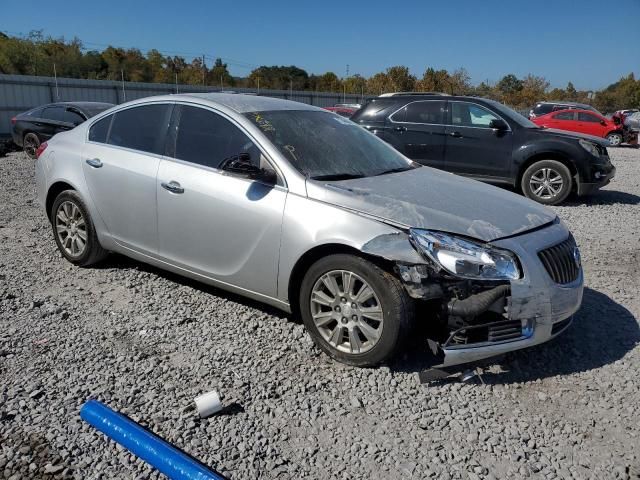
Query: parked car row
(307,211)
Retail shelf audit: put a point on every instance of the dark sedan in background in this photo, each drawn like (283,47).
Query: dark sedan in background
(30,129)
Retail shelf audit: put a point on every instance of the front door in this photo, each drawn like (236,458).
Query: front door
(418,131)
(209,221)
(120,163)
(473,147)
(592,125)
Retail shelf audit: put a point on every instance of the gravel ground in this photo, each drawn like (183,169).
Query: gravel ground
(147,342)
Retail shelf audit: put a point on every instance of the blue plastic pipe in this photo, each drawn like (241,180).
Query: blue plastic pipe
(174,463)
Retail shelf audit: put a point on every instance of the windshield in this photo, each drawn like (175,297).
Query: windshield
(322,145)
(512,114)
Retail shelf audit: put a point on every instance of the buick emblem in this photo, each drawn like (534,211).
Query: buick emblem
(576,257)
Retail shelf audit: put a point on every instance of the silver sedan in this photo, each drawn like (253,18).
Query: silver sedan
(302,209)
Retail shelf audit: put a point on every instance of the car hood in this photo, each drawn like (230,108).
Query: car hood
(553,132)
(436,200)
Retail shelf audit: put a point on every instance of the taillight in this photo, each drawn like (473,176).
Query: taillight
(41,149)
(13,121)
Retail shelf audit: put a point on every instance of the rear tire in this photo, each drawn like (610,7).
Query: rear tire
(30,144)
(615,138)
(353,325)
(73,230)
(547,181)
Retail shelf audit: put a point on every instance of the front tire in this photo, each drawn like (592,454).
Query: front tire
(354,311)
(548,182)
(73,230)
(615,139)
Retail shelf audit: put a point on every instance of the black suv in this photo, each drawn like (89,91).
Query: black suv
(484,140)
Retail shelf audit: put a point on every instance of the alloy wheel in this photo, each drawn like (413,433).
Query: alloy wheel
(71,228)
(615,139)
(546,183)
(30,145)
(346,311)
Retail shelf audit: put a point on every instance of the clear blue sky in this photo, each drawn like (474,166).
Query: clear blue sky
(589,42)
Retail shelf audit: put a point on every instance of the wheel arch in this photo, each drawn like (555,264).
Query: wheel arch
(550,155)
(303,264)
(54,190)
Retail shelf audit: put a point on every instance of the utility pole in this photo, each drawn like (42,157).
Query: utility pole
(176,82)
(221,84)
(55,75)
(124,93)
(204,70)
(290,88)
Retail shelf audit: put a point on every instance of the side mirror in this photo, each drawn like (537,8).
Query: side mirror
(498,124)
(241,166)
(603,123)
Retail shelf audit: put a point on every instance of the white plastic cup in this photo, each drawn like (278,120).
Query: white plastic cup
(208,403)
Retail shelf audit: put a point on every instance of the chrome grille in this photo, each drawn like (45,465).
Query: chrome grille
(561,261)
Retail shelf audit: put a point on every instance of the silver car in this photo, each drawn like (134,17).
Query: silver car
(302,209)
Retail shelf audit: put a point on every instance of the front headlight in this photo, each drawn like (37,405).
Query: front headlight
(464,258)
(590,147)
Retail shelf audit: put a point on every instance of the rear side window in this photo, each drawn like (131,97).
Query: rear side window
(71,116)
(563,116)
(99,130)
(421,112)
(542,108)
(141,128)
(587,117)
(375,111)
(53,113)
(206,138)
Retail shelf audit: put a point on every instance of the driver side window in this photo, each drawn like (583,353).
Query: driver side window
(208,139)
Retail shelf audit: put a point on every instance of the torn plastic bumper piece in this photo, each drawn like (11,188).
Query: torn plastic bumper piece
(166,458)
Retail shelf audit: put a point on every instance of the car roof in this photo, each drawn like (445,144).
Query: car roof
(80,104)
(245,103)
(550,102)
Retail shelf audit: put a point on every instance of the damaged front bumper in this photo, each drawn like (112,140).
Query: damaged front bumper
(528,311)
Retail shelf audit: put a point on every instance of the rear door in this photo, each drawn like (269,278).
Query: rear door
(120,163)
(213,223)
(565,120)
(473,147)
(418,131)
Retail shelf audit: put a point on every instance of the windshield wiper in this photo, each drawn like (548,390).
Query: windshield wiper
(394,170)
(337,176)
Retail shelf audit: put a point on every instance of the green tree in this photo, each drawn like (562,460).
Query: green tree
(219,74)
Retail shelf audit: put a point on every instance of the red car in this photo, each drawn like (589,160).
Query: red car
(342,111)
(582,121)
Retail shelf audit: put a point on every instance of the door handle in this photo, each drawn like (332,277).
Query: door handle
(400,129)
(172,186)
(94,162)
(455,134)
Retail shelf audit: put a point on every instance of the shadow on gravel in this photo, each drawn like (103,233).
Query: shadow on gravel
(121,262)
(602,332)
(603,197)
